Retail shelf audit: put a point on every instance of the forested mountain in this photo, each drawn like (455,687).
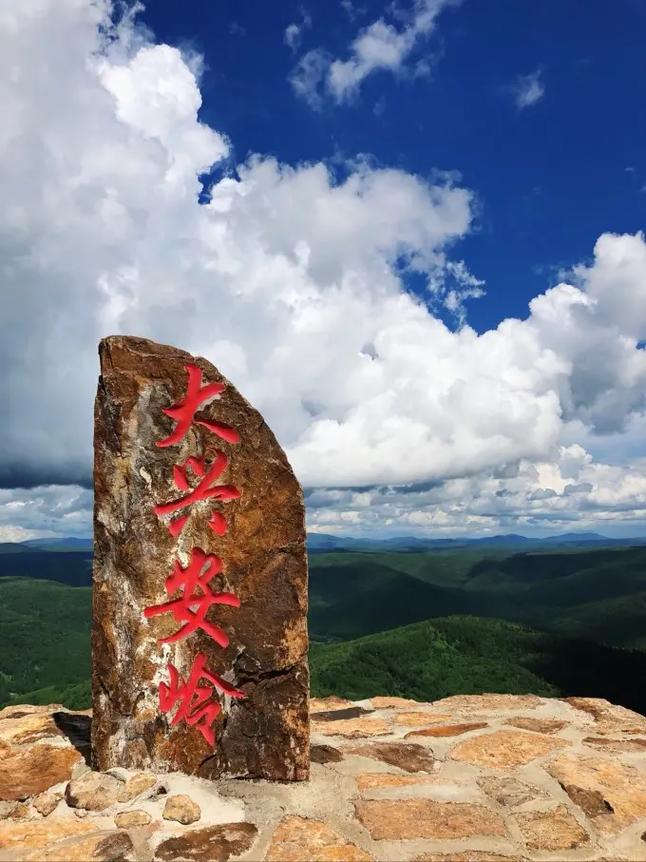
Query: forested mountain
(421,623)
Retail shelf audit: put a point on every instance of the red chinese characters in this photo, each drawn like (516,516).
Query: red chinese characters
(196,698)
(184,412)
(206,489)
(195,706)
(194,586)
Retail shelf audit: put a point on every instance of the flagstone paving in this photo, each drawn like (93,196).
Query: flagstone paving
(482,778)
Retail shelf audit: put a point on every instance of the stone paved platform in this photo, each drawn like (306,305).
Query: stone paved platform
(487,778)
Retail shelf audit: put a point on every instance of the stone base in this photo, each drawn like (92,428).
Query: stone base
(532,779)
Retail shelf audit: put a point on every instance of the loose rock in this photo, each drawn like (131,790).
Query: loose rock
(46,802)
(28,771)
(93,791)
(182,809)
(128,819)
(135,786)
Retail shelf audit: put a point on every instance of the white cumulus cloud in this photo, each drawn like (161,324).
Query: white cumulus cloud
(379,46)
(292,280)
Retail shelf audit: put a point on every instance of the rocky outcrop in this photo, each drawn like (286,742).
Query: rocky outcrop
(502,779)
(200,575)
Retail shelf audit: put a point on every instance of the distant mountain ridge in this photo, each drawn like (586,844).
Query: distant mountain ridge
(64,543)
(327,542)
(317,542)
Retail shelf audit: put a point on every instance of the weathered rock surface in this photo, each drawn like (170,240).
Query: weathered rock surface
(298,838)
(46,802)
(212,844)
(408,756)
(93,791)
(181,808)
(559,800)
(259,537)
(27,771)
(505,748)
(509,791)
(136,786)
(131,819)
(447,729)
(555,829)
(428,818)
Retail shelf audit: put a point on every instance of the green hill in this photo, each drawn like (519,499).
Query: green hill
(597,595)
(67,567)
(369,623)
(472,655)
(45,630)
(350,599)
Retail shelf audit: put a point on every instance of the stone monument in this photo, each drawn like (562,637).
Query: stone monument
(199,639)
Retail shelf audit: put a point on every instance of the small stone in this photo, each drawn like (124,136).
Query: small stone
(129,819)
(182,809)
(325,754)
(414,719)
(93,791)
(351,727)
(504,749)
(28,771)
(407,756)
(551,830)
(20,811)
(426,818)
(538,725)
(379,780)
(508,791)
(447,730)
(211,844)
(46,802)
(135,786)
(80,813)
(298,838)
(5,809)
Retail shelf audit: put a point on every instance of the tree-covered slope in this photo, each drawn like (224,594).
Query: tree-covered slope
(471,655)
(44,635)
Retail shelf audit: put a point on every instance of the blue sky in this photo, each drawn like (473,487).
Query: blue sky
(410,233)
(550,177)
